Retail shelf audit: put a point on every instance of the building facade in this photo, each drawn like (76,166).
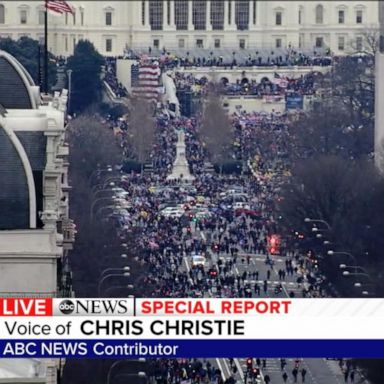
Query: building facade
(113,26)
(36,233)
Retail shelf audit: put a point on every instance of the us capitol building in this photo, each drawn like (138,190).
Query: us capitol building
(114,26)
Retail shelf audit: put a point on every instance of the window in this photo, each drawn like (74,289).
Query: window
(41,17)
(168,12)
(319,42)
(299,18)
(319,14)
(74,17)
(278,18)
(242,15)
(217,43)
(143,12)
(181,43)
(66,18)
(341,43)
(108,45)
(242,43)
(341,14)
(82,17)
(217,15)
(156,15)
(156,43)
(254,11)
(2,14)
(199,14)
(108,18)
(74,42)
(359,43)
(359,16)
(278,43)
(229,11)
(199,43)
(181,15)
(23,16)
(66,43)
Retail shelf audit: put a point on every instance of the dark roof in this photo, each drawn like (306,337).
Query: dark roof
(14,195)
(14,84)
(34,144)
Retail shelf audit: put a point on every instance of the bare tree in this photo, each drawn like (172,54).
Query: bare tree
(91,144)
(370,41)
(141,131)
(216,130)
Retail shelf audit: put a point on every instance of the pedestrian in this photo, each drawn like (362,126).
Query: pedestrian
(294,374)
(346,375)
(268,274)
(352,376)
(267,379)
(264,363)
(303,373)
(285,377)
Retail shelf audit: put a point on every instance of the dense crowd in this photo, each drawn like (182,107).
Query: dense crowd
(245,58)
(111,79)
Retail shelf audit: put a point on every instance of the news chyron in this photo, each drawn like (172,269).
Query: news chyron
(66,307)
(177,327)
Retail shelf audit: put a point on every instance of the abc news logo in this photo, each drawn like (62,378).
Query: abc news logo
(96,307)
(66,307)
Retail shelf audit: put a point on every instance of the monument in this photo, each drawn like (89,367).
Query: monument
(180,169)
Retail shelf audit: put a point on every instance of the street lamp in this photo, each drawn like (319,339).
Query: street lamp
(140,375)
(112,275)
(96,201)
(308,220)
(99,171)
(119,362)
(125,268)
(356,267)
(331,253)
(128,286)
(104,190)
(348,273)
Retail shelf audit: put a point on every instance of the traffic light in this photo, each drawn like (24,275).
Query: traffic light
(213,273)
(255,372)
(273,244)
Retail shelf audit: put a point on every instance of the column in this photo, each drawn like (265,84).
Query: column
(172,24)
(226,24)
(208,17)
(146,24)
(232,18)
(251,7)
(191,27)
(165,15)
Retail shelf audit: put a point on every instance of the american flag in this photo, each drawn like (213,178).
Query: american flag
(145,80)
(58,6)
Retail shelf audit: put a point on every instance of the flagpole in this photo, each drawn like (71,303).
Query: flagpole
(46,48)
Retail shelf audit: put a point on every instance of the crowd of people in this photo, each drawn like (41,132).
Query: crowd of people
(241,58)
(111,79)
(229,238)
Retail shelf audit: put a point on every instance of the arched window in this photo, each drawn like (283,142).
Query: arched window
(319,14)
(2,14)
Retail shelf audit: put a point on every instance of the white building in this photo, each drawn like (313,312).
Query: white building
(242,24)
(36,233)
(35,230)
